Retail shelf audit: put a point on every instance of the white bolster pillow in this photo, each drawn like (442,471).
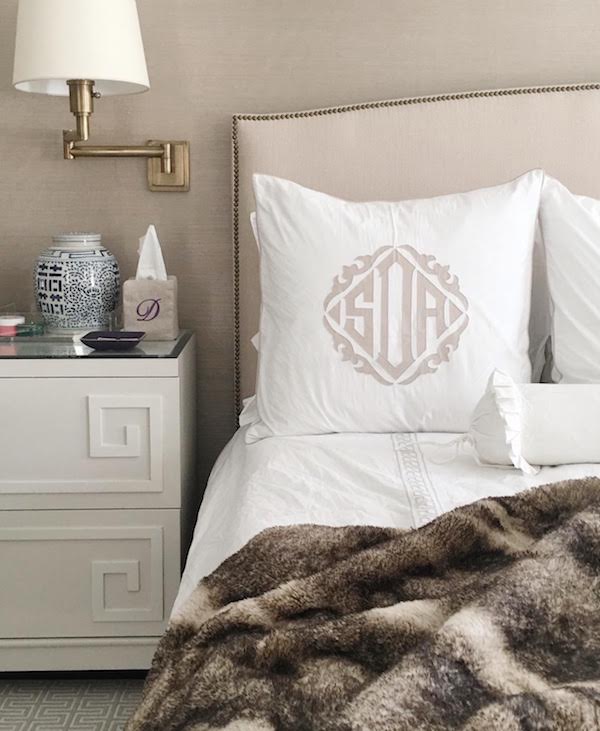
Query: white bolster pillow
(538,424)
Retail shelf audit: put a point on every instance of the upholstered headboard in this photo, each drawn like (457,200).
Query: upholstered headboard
(405,148)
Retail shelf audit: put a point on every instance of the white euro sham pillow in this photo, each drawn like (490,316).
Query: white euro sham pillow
(528,425)
(389,317)
(539,321)
(571,232)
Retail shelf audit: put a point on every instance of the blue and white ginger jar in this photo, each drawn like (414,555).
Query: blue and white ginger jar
(77,282)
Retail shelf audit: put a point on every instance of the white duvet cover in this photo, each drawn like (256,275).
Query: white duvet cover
(401,480)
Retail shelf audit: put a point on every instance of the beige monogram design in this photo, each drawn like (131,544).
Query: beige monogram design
(396,314)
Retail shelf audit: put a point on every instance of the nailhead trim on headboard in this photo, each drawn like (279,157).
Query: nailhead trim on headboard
(339,110)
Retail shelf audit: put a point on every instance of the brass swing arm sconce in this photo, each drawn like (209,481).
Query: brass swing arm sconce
(168,161)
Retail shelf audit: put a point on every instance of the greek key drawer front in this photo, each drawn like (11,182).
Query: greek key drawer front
(113,440)
(87,573)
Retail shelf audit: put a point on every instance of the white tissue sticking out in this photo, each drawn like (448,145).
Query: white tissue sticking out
(151,264)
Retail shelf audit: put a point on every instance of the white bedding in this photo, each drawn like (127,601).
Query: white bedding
(402,480)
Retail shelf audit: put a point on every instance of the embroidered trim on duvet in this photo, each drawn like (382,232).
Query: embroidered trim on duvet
(413,470)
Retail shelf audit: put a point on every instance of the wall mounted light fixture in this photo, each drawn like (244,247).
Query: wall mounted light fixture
(87,49)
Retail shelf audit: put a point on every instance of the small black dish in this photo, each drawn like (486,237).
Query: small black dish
(112,339)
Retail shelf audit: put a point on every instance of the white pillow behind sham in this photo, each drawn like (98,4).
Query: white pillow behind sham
(571,232)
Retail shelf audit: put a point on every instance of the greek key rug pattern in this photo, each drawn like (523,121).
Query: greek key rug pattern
(67,705)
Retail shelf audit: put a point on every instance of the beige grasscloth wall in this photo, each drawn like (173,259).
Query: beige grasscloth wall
(210,58)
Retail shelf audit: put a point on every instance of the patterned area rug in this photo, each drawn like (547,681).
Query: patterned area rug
(67,704)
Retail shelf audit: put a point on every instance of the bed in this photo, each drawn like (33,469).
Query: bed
(447,142)
(400,480)
(389,150)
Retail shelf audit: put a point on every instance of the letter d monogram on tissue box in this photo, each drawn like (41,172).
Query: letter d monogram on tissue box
(150,300)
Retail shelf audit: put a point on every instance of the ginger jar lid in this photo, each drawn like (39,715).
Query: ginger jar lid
(76,240)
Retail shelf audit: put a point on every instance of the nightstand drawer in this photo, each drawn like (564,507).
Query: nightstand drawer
(87,573)
(89,442)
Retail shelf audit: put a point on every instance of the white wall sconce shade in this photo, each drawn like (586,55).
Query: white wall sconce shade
(58,40)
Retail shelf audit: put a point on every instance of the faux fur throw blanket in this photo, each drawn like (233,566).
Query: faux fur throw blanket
(486,618)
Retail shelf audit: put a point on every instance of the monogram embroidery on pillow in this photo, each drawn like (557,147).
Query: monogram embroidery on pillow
(396,314)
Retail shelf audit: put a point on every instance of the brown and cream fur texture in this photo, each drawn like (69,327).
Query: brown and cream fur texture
(486,618)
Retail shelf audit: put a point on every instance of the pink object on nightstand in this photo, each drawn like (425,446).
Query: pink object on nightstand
(8,324)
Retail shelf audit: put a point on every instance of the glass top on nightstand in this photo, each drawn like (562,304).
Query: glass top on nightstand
(69,346)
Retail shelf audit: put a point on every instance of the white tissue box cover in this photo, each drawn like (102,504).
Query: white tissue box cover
(150,305)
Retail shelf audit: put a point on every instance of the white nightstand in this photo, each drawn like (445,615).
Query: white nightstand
(97,499)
